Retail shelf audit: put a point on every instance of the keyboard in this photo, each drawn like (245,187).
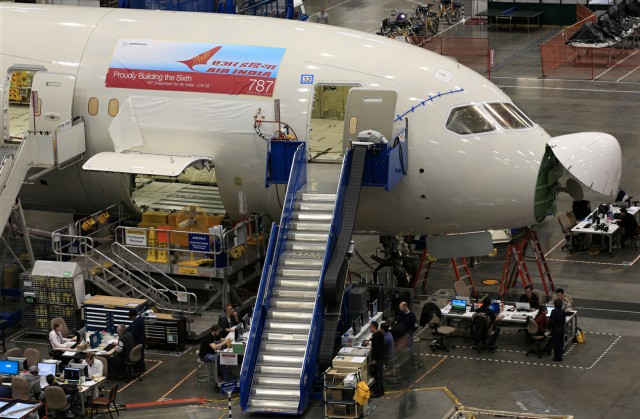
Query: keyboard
(588,225)
(109,347)
(73,346)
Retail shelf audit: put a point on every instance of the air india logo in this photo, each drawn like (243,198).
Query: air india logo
(236,68)
(201,59)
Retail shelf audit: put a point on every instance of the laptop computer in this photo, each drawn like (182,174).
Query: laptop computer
(523,306)
(458,306)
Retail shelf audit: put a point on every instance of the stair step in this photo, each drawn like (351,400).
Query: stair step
(280,359)
(324,197)
(293,338)
(292,304)
(314,206)
(286,327)
(306,246)
(310,226)
(298,273)
(304,284)
(308,236)
(299,315)
(302,295)
(283,348)
(312,216)
(264,391)
(300,262)
(273,405)
(279,370)
(275,381)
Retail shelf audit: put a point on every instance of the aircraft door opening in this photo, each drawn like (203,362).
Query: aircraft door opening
(16,98)
(327,122)
(369,110)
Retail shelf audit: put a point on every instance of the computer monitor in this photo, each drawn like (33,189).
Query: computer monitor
(72,375)
(357,326)
(364,316)
(46,368)
(94,340)
(495,307)
(80,334)
(8,367)
(23,361)
(459,305)
(373,308)
(461,297)
(84,368)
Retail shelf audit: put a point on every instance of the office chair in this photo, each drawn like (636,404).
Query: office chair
(56,400)
(532,334)
(481,330)
(636,237)
(462,289)
(542,298)
(566,226)
(129,364)
(572,218)
(32,355)
(105,402)
(13,352)
(432,312)
(64,330)
(20,388)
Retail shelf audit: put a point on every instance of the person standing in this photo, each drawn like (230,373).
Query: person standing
(125,345)
(407,320)
(377,359)
(322,16)
(138,332)
(389,346)
(229,320)
(556,326)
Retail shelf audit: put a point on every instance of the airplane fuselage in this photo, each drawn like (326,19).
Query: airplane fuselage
(456,182)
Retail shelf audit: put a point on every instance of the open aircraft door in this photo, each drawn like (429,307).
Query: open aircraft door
(53,96)
(369,110)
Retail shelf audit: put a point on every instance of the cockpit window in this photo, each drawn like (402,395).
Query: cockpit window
(468,120)
(508,116)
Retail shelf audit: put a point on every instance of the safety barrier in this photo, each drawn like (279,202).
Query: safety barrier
(560,60)
(471,52)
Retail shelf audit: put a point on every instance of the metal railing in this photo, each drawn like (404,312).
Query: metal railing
(257,321)
(297,179)
(5,168)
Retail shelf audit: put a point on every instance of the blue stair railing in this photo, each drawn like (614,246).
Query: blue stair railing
(277,241)
(314,338)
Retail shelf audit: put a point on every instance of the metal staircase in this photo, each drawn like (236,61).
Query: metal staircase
(276,383)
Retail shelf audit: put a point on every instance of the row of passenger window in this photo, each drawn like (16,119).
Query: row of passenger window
(471,119)
(112,108)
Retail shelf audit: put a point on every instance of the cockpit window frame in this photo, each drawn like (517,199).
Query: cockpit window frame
(481,111)
(490,108)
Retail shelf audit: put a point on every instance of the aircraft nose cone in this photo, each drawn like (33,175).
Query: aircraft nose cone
(594,158)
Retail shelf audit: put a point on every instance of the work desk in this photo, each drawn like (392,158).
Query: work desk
(513,318)
(509,14)
(587,227)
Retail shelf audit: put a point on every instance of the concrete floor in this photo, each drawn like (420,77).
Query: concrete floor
(598,379)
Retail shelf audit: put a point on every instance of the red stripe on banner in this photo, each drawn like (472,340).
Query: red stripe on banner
(252,82)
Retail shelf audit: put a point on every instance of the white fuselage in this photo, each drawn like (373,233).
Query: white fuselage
(455,183)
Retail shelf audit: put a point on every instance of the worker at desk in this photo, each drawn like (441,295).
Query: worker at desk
(629,225)
(530,297)
(486,309)
(228,320)
(57,341)
(211,343)
(34,382)
(567,301)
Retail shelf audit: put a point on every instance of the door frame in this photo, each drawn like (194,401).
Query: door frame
(5,95)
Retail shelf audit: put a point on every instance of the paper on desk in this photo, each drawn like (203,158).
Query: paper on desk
(89,383)
(345,350)
(101,353)
(358,358)
(69,353)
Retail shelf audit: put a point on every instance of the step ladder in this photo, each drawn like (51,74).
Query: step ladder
(515,264)
(424,269)
(462,265)
(276,381)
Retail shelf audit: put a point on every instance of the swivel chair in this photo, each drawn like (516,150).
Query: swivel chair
(532,334)
(56,400)
(13,352)
(64,330)
(432,312)
(32,355)
(636,237)
(462,289)
(129,364)
(20,388)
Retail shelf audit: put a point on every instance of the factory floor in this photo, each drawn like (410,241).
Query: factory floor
(597,379)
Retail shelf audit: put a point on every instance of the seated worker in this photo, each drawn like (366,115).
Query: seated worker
(486,309)
(567,301)
(125,345)
(210,344)
(529,297)
(34,382)
(57,341)
(542,320)
(94,365)
(228,320)
(69,390)
(629,226)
